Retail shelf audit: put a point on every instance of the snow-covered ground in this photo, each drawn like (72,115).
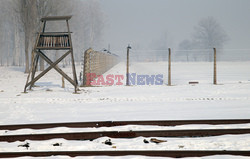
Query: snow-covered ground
(230,99)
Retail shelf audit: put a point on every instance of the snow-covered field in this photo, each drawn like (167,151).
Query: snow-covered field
(230,99)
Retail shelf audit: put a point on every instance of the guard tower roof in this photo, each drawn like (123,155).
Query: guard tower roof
(53,18)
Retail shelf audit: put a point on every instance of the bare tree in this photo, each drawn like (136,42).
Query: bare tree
(28,14)
(209,34)
(5,29)
(18,31)
(20,20)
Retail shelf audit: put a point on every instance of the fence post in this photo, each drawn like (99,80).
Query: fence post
(215,69)
(169,67)
(127,73)
(63,82)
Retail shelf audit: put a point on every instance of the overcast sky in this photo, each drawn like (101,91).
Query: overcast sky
(139,22)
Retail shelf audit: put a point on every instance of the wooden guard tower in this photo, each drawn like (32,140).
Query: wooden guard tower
(52,41)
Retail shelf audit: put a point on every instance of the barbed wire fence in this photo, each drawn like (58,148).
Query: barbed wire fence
(173,66)
(192,66)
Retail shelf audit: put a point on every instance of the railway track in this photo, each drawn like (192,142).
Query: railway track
(175,154)
(122,123)
(124,134)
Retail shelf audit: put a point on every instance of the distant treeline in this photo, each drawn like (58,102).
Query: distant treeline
(20,21)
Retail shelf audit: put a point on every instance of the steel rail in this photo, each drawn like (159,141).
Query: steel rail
(124,134)
(122,123)
(159,153)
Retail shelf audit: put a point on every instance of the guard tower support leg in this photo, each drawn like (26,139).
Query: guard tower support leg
(72,58)
(36,59)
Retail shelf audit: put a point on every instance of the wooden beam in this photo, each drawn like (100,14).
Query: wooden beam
(54,18)
(48,69)
(34,69)
(57,68)
(215,68)
(169,67)
(53,48)
(55,33)
(72,58)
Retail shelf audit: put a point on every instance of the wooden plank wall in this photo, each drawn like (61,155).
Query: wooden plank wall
(98,63)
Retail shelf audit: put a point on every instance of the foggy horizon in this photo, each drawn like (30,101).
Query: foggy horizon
(142,22)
